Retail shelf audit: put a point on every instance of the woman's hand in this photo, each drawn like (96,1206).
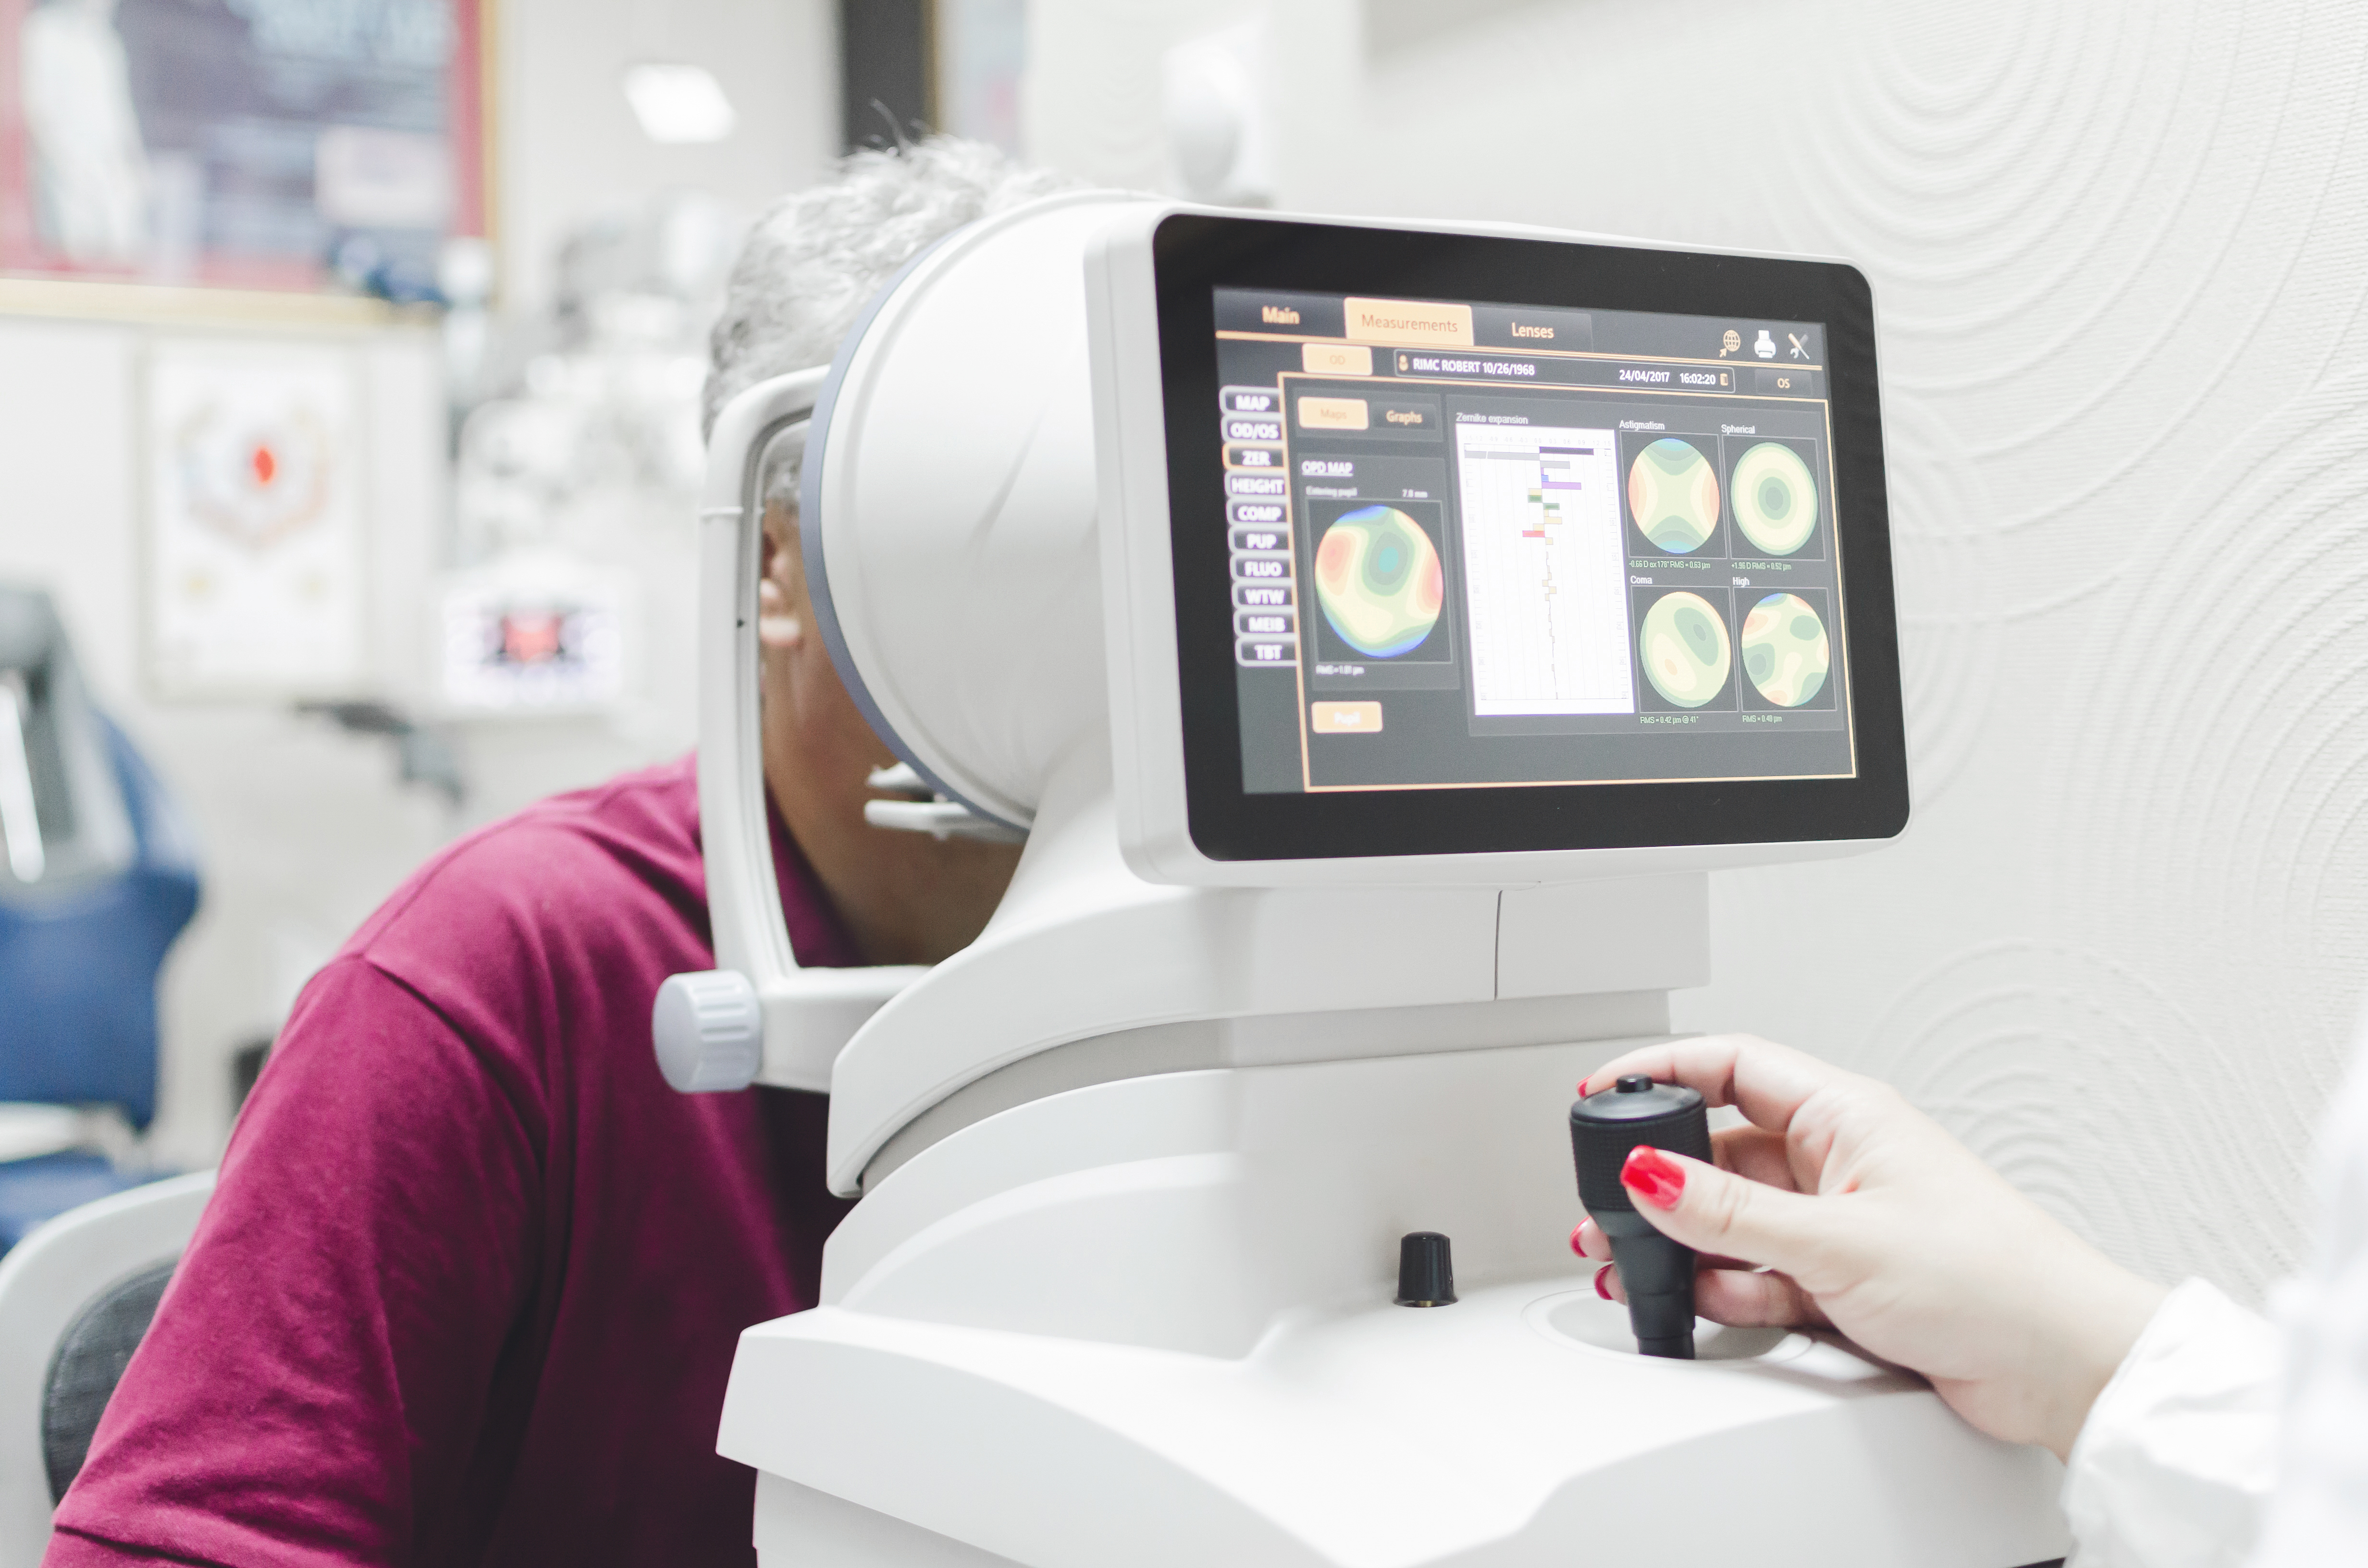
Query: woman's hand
(1871,1220)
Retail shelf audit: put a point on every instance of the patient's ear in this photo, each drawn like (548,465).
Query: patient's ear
(781,589)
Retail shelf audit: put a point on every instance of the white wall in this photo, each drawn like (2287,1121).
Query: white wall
(568,144)
(2120,253)
(304,830)
(301,830)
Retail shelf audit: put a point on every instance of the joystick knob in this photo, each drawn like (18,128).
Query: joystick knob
(1657,1272)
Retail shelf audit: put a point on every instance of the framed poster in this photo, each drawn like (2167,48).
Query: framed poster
(533,631)
(255,552)
(252,144)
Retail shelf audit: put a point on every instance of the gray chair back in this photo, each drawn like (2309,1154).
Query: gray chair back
(89,1362)
(75,1296)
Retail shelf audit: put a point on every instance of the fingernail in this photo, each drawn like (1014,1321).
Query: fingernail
(1653,1176)
(1574,1240)
(1601,1274)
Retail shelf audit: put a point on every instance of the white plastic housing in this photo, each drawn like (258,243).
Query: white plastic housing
(1150,1323)
(949,521)
(1083,950)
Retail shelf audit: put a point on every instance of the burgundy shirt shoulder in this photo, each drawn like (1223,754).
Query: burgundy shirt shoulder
(469,1287)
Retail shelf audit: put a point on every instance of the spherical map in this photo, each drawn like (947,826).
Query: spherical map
(1775,499)
(1784,650)
(1377,578)
(1686,650)
(1673,495)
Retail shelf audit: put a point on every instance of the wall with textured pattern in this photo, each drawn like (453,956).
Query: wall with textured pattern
(2120,251)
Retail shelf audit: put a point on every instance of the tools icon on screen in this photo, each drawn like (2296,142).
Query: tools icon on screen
(1800,349)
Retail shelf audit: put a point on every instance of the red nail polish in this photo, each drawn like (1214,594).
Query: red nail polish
(1601,1274)
(1653,1176)
(1574,1240)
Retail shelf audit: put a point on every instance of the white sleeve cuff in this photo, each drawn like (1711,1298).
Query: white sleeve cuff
(2175,1464)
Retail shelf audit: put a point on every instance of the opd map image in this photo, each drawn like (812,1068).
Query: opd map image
(1673,495)
(1775,499)
(1785,651)
(1378,580)
(1685,649)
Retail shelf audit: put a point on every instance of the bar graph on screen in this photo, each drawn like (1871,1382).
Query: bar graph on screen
(1544,565)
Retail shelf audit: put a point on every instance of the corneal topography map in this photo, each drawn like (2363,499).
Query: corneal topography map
(1378,580)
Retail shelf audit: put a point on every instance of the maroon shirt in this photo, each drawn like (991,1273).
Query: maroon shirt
(470,1286)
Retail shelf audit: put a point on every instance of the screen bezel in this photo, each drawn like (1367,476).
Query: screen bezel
(1193,253)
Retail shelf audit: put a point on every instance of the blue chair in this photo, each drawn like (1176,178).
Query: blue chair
(98,877)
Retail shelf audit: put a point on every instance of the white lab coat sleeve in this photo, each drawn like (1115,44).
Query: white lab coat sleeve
(2175,1463)
(2319,1515)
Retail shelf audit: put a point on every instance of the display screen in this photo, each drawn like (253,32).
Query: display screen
(1480,542)
(1503,543)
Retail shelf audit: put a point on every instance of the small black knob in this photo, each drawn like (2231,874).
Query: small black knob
(1426,1272)
(1635,1083)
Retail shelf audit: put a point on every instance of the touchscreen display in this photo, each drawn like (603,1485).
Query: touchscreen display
(1472,543)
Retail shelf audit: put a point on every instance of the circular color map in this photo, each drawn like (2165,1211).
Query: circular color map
(1775,499)
(1686,652)
(1784,650)
(1377,578)
(1673,495)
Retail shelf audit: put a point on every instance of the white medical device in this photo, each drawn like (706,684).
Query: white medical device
(1378,632)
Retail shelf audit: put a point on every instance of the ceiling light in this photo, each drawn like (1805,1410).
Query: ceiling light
(679,104)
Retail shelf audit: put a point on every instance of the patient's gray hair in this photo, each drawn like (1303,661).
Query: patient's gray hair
(814,260)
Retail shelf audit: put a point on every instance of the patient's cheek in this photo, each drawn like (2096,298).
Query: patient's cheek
(779,625)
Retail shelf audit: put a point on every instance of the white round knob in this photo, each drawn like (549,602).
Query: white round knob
(708,1031)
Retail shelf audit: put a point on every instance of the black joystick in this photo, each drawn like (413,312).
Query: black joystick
(1658,1273)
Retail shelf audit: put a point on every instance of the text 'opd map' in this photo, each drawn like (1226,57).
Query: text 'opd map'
(1544,559)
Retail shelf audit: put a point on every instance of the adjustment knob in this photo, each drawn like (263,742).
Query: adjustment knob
(1426,1271)
(709,1031)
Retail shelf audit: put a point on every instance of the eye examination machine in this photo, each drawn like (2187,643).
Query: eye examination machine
(1378,633)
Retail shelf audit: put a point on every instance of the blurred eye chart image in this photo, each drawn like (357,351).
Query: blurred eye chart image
(254,544)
